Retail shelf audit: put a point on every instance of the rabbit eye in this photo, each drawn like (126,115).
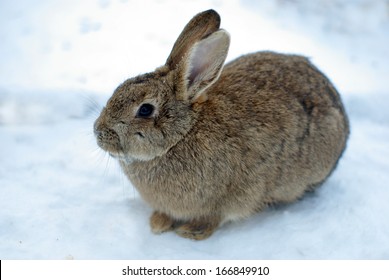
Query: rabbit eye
(145,110)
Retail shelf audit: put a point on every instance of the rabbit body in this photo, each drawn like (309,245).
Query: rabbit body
(222,145)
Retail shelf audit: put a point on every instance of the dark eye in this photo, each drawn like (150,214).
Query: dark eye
(145,110)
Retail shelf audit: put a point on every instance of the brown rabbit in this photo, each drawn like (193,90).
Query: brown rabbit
(204,146)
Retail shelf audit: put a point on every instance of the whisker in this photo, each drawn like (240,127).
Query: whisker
(92,107)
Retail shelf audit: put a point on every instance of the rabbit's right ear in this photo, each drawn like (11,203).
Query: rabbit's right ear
(202,65)
(200,26)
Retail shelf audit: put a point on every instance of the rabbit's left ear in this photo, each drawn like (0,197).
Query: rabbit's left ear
(204,63)
(199,27)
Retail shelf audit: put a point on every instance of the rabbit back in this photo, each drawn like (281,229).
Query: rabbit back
(290,113)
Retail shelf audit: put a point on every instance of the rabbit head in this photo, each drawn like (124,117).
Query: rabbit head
(150,113)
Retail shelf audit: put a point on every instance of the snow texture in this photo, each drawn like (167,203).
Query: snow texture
(63,198)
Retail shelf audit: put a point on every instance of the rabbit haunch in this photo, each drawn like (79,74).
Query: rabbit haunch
(220,143)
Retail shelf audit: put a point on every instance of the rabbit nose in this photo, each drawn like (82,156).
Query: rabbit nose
(100,130)
(98,133)
(97,130)
(103,133)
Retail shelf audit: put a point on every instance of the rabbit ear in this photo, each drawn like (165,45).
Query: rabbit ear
(204,63)
(199,27)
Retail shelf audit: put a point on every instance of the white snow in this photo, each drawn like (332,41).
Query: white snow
(63,198)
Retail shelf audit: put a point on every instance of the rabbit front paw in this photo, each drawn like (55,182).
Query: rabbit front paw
(160,222)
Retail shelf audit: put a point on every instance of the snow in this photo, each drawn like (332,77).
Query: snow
(63,198)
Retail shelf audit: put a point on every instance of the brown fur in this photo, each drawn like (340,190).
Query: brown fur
(222,145)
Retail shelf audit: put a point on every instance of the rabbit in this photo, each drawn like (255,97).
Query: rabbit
(205,144)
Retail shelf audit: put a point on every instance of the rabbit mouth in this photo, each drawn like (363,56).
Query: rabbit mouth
(121,157)
(130,158)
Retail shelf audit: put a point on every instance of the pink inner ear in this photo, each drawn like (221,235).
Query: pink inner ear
(201,60)
(205,62)
(195,72)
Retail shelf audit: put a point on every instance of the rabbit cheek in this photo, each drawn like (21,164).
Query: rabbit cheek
(145,148)
(136,145)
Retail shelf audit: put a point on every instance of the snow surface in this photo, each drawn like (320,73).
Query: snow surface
(63,198)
